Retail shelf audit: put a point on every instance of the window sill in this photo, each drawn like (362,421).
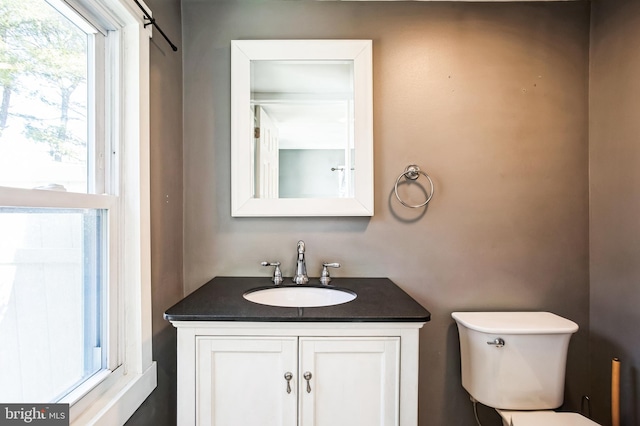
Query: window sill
(120,401)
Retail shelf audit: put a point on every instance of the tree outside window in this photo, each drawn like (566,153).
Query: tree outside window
(43,113)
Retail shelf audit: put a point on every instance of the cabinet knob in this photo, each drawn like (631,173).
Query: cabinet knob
(288,376)
(307,376)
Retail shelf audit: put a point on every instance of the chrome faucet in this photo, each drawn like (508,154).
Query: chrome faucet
(301,268)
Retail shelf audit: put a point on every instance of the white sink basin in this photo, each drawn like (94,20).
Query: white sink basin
(300,296)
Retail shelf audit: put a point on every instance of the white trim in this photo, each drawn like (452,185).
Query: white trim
(56,199)
(295,328)
(115,401)
(95,381)
(135,169)
(122,399)
(136,376)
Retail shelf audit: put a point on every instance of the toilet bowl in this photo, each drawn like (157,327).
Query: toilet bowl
(515,363)
(543,418)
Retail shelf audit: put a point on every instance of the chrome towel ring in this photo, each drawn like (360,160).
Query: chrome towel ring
(413,172)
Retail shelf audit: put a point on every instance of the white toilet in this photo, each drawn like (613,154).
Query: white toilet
(515,362)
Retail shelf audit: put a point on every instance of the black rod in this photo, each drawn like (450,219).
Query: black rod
(152,21)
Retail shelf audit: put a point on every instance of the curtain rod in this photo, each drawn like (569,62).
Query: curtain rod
(152,21)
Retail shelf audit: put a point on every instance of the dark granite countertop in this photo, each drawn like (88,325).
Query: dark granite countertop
(378,300)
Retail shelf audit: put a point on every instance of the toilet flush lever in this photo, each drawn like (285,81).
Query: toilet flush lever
(498,342)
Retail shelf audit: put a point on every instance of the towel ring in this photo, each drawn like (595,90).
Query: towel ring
(413,172)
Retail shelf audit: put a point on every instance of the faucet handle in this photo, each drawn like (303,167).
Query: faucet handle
(277,273)
(324,277)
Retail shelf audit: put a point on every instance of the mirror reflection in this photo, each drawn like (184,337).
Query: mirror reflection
(303,128)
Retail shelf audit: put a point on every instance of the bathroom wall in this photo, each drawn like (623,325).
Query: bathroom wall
(490,99)
(615,205)
(166,208)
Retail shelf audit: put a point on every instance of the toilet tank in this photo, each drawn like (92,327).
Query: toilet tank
(528,372)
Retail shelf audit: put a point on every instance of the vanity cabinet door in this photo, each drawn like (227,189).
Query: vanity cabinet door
(241,381)
(354,381)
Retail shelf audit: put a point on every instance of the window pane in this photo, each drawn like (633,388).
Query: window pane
(51,298)
(43,105)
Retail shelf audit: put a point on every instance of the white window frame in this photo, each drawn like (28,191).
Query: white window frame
(112,396)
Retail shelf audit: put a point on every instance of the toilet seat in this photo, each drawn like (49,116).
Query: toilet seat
(546,418)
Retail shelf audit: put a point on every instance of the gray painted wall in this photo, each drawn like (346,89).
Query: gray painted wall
(615,205)
(490,99)
(507,152)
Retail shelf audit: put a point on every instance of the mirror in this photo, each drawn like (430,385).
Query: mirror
(301,128)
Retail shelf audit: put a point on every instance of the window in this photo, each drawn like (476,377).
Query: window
(51,307)
(74,317)
(47,89)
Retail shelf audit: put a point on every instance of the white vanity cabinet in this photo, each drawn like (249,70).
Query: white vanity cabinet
(241,381)
(353,381)
(339,374)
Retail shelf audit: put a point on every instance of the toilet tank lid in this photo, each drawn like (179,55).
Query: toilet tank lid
(546,418)
(515,322)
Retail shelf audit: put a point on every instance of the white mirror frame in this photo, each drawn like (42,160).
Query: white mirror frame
(243,204)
